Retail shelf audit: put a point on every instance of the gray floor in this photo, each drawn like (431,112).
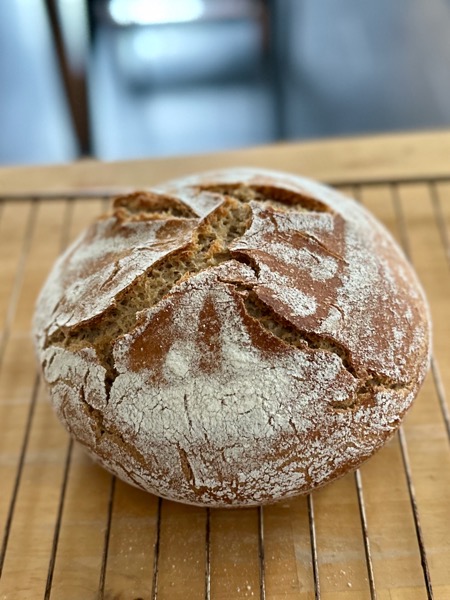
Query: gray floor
(344,67)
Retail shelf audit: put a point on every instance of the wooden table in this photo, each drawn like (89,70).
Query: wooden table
(71,531)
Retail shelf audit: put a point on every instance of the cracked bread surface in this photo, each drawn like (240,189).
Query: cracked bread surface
(233,338)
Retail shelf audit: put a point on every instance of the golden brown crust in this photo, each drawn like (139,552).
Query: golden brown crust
(233,338)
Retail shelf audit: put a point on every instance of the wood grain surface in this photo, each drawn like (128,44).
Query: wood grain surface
(71,531)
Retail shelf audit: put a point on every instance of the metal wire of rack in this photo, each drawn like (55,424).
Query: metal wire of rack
(67,201)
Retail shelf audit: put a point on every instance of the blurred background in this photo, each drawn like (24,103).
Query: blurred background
(120,79)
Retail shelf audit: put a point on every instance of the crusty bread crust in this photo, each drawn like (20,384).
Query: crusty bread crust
(233,338)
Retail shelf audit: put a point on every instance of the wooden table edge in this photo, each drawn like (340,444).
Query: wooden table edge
(399,156)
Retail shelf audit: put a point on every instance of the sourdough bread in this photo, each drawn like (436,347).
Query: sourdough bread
(233,338)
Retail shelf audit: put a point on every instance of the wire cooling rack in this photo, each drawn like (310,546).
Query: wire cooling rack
(70,530)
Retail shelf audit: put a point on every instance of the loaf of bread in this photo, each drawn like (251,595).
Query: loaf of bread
(233,338)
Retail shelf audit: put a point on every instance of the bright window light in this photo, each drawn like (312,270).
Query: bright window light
(148,12)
